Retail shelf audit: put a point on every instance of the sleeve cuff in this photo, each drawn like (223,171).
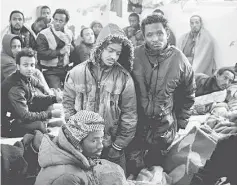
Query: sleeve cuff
(116,147)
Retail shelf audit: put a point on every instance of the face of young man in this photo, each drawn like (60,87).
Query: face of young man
(111,54)
(88,36)
(92,145)
(17,21)
(195,24)
(15,47)
(59,22)
(97,28)
(26,66)
(45,12)
(155,36)
(225,79)
(133,21)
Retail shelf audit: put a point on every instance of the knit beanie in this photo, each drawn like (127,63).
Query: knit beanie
(81,124)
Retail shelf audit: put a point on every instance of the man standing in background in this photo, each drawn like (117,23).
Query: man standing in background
(82,51)
(17,27)
(197,45)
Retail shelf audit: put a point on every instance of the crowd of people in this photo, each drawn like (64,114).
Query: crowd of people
(125,92)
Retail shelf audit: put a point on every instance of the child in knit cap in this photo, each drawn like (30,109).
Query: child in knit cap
(73,156)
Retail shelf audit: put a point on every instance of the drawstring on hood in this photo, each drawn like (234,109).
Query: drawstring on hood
(110,34)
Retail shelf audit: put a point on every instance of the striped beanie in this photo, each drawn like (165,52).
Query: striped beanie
(81,124)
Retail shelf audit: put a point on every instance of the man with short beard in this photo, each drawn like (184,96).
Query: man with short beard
(104,85)
(134,21)
(198,46)
(159,71)
(82,51)
(220,81)
(46,12)
(172,38)
(17,27)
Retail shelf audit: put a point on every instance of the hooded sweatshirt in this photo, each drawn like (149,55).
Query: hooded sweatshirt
(108,91)
(62,164)
(8,63)
(93,24)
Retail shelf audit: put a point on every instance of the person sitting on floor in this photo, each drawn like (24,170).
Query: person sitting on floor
(71,158)
(24,101)
(11,45)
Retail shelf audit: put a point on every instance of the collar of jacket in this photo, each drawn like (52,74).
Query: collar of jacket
(102,66)
(24,78)
(161,55)
(88,44)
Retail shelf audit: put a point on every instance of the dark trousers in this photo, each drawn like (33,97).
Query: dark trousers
(121,160)
(20,129)
(149,146)
(55,77)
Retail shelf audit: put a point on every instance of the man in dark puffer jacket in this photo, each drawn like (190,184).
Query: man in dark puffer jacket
(160,72)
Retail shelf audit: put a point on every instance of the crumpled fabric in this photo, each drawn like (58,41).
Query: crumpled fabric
(153,176)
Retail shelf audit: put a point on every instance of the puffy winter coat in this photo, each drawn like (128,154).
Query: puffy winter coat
(112,94)
(62,164)
(157,86)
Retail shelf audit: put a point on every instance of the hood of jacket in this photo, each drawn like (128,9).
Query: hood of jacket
(60,151)
(94,23)
(107,34)
(6,43)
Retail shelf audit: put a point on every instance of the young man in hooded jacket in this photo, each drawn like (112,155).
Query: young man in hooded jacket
(11,45)
(103,84)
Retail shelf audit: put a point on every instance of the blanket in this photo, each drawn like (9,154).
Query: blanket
(203,61)
(67,38)
(188,154)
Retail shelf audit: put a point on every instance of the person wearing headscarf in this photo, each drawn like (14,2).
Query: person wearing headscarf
(72,158)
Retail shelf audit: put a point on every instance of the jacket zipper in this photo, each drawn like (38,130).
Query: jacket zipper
(97,93)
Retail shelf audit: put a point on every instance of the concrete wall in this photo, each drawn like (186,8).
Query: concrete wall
(220,18)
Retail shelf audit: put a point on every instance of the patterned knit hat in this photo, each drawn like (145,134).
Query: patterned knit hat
(81,124)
